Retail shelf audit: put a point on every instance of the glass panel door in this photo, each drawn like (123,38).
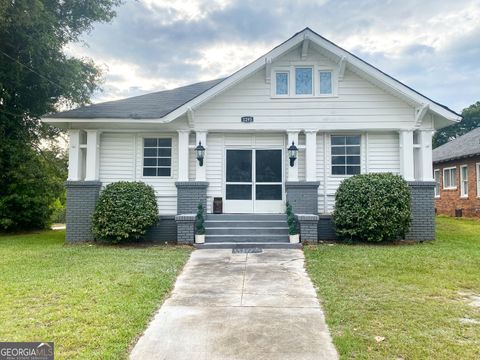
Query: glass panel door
(239,181)
(268,181)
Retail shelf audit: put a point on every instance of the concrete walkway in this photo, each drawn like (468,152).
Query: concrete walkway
(239,306)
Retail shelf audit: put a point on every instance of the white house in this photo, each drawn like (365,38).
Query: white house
(344,116)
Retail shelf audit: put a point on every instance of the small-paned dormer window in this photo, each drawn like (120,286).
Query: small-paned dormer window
(325,82)
(281,83)
(303,81)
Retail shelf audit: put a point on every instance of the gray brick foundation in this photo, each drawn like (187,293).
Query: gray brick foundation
(81,200)
(308,228)
(189,195)
(303,196)
(423,211)
(325,228)
(164,231)
(185,228)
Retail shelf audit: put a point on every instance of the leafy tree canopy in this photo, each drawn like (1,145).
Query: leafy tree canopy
(36,77)
(470,121)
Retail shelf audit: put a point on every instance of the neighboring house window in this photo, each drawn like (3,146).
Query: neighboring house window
(345,154)
(281,83)
(478,179)
(450,178)
(303,81)
(157,156)
(325,82)
(464,181)
(436,176)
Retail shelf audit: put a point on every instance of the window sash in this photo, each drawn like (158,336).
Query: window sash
(450,178)
(155,158)
(436,176)
(464,181)
(325,82)
(304,81)
(281,83)
(345,154)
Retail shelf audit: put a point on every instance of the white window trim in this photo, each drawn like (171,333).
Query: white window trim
(462,195)
(316,68)
(329,147)
(437,196)
(477,168)
(450,187)
(153,136)
(274,82)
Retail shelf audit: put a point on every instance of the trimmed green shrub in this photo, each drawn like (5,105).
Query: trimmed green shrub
(200,221)
(124,211)
(291,221)
(372,207)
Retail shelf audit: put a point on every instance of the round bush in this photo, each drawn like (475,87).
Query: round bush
(372,207)
(124,211)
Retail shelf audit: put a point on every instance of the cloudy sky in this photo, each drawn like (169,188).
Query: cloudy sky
(431,45)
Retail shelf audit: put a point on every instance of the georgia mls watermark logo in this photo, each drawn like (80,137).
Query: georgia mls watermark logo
(26,350)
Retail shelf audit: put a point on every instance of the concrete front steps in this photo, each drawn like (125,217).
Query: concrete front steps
(225,231)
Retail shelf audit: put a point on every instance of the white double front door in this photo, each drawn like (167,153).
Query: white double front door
(254,181)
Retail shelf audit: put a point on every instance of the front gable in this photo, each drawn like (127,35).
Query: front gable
(354,103)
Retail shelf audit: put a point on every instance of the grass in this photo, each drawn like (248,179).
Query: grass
(409,294)
(92,301)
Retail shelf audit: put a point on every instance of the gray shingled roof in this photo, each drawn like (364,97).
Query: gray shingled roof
(463,146)
(149,106)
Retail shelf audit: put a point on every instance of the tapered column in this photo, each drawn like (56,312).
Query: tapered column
(292,170)
(93,155)
(406,155)
(74,155)
(311,155)
(183,151)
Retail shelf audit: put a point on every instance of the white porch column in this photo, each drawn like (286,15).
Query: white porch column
(406,155)
(311,155)
(93,155)
(183,150)
(74,155)
(426,154)
(201,173)
(292,136)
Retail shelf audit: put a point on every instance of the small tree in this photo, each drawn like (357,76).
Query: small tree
(200,221)
(291,221)
(372,207)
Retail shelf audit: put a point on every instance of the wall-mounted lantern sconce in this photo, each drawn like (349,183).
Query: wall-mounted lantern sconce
(292,153)
(200,150)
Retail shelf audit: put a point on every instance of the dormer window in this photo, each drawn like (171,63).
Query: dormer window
(303,81)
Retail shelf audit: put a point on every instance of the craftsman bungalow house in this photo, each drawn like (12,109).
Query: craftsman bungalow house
(342,115)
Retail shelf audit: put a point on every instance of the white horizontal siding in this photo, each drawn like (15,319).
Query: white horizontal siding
(383,152)
(117,158)
(359,105)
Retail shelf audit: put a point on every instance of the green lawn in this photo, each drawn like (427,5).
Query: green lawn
(92,301)
(409,294)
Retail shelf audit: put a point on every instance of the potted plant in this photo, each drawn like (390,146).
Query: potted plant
(292,226)
(200,225)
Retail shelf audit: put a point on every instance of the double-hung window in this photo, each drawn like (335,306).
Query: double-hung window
(436,176)
(157,157)
(464,181)
(345,151)
(450,178)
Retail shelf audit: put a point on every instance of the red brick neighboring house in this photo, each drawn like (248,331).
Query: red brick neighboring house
(456,168)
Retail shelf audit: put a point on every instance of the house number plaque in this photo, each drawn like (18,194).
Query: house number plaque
(247,119)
